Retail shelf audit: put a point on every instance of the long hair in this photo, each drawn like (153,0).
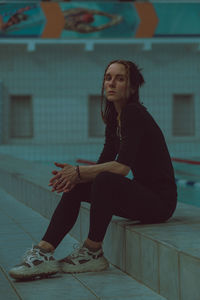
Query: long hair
(134,80)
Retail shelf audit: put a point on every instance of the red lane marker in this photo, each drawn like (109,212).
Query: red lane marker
(187,161)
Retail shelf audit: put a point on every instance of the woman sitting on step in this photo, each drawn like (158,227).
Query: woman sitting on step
(133,142)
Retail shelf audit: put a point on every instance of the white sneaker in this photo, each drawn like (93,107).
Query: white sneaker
(84,260)
(36,262)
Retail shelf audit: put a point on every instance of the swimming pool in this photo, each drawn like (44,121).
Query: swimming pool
(188,182)
(189,195)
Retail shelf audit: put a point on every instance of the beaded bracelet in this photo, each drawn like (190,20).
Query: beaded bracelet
(78,172)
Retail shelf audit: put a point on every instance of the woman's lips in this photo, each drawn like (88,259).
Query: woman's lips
(111,92)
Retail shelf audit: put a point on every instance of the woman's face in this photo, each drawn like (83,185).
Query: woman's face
(115,83)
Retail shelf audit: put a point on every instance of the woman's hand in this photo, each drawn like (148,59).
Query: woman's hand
(65,179)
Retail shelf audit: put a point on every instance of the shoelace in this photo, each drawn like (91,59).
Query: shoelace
(78,250)
(31,253)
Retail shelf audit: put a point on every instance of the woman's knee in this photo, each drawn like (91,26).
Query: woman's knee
(80,193)
(103,186)
(103,181)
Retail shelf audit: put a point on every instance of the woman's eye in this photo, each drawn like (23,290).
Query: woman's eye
(120,79)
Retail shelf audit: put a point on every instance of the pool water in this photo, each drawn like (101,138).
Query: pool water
(189,172)
(189,195)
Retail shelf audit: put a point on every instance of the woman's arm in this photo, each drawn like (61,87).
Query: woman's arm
(88,173)
(109,150)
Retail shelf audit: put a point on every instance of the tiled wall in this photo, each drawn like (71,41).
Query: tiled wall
(61,77)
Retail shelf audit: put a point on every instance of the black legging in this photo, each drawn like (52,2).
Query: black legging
(109,194)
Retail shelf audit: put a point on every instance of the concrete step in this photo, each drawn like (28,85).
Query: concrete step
(164,257)
(20,227)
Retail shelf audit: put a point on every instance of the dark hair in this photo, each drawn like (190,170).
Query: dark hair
(135,80)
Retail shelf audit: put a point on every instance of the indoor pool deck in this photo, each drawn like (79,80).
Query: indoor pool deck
(154,261)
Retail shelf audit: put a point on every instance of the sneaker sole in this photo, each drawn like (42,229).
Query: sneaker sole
(92,266)
(46,270)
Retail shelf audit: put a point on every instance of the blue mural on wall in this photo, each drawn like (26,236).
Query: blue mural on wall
(99,19)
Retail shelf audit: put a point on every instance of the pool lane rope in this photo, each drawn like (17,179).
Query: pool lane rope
(184,182)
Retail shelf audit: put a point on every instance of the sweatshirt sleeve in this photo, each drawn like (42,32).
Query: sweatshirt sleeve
(132,132)
(109,151)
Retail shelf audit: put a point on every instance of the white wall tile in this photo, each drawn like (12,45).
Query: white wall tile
(60,78)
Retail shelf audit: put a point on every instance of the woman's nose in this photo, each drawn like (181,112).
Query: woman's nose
(111,83)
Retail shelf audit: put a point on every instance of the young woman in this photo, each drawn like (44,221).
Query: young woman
(134,137)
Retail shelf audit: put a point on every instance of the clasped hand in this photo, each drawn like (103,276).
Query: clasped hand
(65,179)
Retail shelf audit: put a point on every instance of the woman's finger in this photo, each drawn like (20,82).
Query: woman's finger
(55,178)
(59,165)
(61,184)
(54,172)
(57,182)
(69,188)
(65,187)
(55,187)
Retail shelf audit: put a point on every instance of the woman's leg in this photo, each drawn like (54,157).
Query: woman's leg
(37,261)
(65,215)
(109,194)
(114,194)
